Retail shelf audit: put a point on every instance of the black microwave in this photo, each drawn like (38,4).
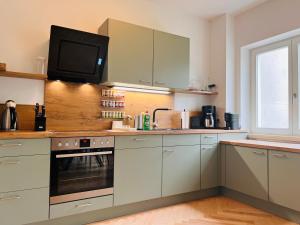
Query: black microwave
(76,56)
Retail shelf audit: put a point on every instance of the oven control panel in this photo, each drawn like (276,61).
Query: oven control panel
(75,143)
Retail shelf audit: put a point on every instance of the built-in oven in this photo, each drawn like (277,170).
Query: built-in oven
(81,168)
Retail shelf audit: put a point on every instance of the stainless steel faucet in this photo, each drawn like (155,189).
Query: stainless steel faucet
(155,123)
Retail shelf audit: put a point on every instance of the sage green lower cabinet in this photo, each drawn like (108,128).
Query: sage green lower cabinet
(137,175)
(24,172)
(181,170)
(284,179)
(81,206)
(22,207)
(247,171)
(209,166)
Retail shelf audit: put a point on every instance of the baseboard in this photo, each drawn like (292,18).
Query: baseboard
(118,211)
(263,205)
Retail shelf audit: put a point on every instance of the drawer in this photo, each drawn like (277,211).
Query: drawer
(208,139)
(81,206)
(24,207)
(181,140)
(24,172)
(19,147)
(138,141)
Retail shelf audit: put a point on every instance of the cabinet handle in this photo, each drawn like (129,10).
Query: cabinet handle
(139,139)
(15,197)
(209,137)
(144,82)
(10,145)
(83,205)
(159,83)
(258,153)
(10,162)
(168,150)
(206,148)
(279,155)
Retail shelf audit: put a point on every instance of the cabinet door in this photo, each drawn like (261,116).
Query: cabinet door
(130,54)
(22,207)
(137,175)
(209,166)
(284,179)
(181,169)
(171,60)
(24,172)
(246,171)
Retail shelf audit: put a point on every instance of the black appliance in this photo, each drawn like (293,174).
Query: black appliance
(207,119)
(76,56)
(40,118)
(81,168)
(232,121)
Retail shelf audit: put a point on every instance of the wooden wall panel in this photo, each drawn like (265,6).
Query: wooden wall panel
(72,107)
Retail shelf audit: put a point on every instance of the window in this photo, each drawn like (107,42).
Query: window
(273,90)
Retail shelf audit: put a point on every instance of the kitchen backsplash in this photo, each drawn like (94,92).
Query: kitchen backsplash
(71,106)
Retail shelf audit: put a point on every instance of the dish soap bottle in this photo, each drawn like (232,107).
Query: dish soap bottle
(146,121)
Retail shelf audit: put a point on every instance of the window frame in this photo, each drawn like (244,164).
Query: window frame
(253,88)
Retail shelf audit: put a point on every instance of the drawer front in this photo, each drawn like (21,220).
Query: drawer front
(209,139)
(24,172)
(181,140)
(81,206)
(24,207)
(19,147)
(138,141)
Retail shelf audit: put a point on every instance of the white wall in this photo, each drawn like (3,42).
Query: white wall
(26,25)
(218,62)
(270,19)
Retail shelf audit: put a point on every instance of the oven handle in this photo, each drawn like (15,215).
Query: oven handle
(83,154)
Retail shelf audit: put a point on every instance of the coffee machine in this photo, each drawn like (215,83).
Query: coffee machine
(9,120)
(207,119)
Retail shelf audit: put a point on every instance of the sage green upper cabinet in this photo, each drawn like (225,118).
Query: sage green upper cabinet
(284,179)
(247,171)
(171,60)
(181,169)
(130,53)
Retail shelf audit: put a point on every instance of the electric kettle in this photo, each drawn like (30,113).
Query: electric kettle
(9,117)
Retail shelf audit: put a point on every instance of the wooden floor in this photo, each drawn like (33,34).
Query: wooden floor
(211,211)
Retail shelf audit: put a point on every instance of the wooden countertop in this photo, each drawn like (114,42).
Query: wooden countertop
(53,134)
(289,147)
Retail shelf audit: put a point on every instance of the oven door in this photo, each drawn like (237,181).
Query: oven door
(80,174)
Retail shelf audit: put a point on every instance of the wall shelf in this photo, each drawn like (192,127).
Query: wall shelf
(23,75)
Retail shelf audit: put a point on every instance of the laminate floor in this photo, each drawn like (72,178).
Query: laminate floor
(211,211)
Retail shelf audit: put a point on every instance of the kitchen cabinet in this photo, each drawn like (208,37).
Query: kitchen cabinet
(25,206)
(137,175)
(17,147)
(171,60)
(24,172)
(182,139)
(284,179)
(143,56)
(80,206)
(222,153)
(181,169)
(130,53)
(209,166)
(247,171)
(24,175)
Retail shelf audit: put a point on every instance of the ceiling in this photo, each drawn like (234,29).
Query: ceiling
(210,8)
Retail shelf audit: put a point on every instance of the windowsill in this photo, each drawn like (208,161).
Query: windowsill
(275,138)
